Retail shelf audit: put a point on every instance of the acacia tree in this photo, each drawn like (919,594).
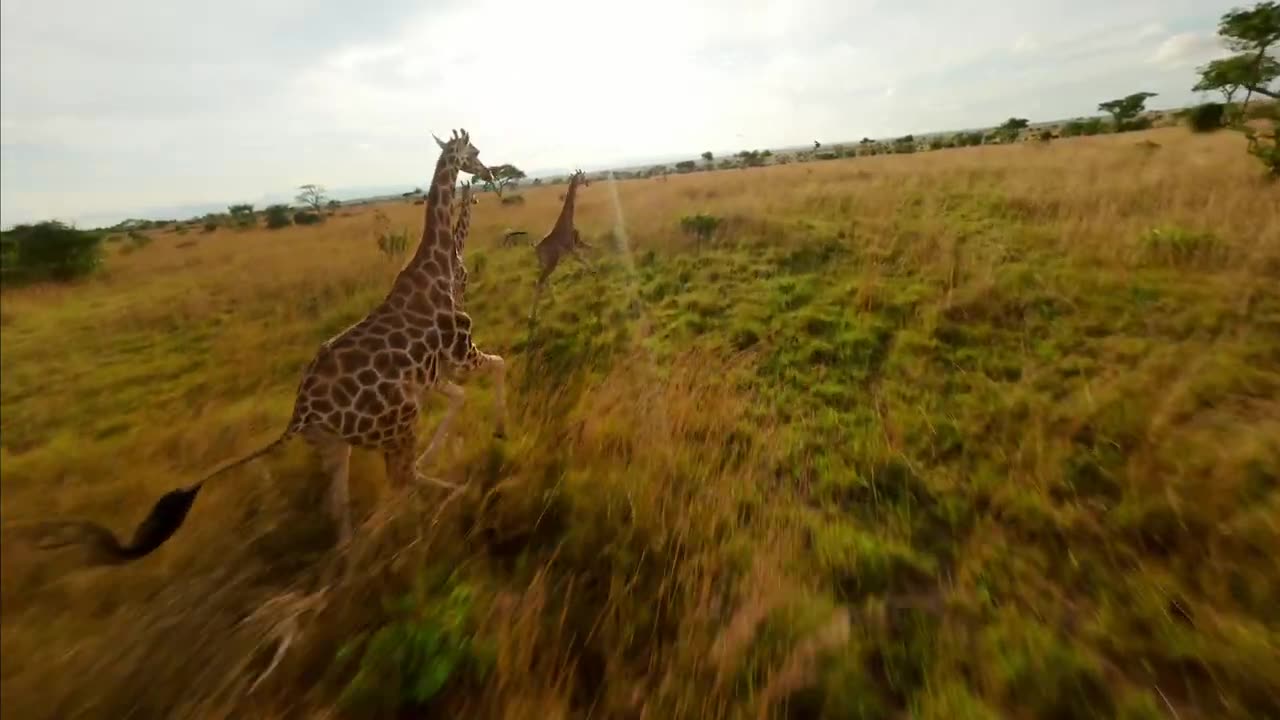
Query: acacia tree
(242,215)
(1125,109)
(708,157)
(503,176)
(1011,127)
(1245,70)
(1252,33)
(312,196)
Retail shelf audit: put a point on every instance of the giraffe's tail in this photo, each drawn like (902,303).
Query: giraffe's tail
(166,516)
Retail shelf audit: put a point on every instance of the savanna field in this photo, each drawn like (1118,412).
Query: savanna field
(977,433)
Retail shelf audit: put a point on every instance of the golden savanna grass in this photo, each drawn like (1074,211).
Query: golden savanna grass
(972,433)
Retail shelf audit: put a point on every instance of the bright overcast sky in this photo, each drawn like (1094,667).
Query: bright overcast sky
(109,109)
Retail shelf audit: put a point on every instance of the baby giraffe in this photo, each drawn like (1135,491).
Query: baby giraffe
(563,238)
(365,385)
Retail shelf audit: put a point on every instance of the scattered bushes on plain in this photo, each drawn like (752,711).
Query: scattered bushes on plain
(1089,126)
(48,250)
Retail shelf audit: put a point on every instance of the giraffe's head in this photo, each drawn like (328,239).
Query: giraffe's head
(578,178)
(465,155)
(466,195)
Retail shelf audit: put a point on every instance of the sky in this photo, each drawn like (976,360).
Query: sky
(138,107)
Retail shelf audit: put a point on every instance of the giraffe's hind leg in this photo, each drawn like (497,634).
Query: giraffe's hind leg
(335,457)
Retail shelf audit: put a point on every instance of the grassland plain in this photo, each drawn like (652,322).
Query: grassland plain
(988,432)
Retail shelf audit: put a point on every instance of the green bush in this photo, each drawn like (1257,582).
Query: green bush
(1134,125)
(278,217)
(242,216)
(48,251)
(1089,126)
(427,642)
(701,227)
(1207,117)
(306,217)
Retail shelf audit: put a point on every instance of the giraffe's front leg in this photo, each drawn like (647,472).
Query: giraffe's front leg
(455,394)
(401,470)
(581,259)
(479,360)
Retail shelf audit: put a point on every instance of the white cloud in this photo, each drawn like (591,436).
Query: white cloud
(1187,49)
(161,102)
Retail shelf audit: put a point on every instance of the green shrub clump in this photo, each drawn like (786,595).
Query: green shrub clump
(1207,117)
(48,250)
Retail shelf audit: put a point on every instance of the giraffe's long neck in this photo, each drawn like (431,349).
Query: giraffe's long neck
(462,225)
(437,208)
(564,223)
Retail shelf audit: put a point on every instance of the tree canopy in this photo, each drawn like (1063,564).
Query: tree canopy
(504,176)
(1252,33)
(1245,70)
(1126,108)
